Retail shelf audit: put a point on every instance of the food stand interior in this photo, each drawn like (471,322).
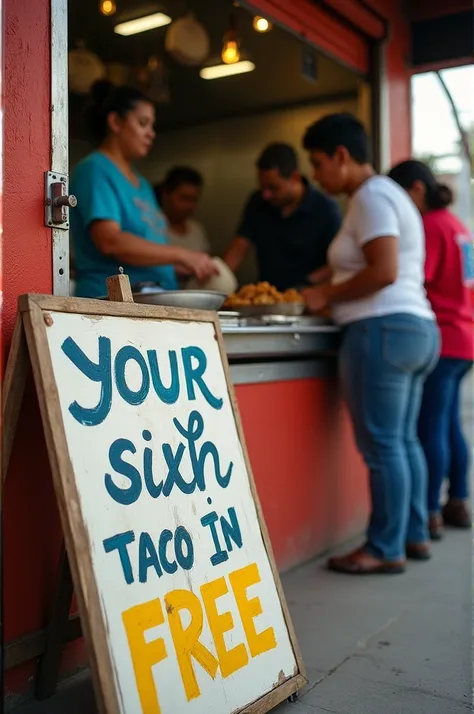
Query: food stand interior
(283,373)
(217,126)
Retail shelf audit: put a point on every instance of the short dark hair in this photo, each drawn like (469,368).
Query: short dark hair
(180,175)
(438,195)
(335,130)
(278,156)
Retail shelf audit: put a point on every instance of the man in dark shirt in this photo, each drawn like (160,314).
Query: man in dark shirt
(290,223)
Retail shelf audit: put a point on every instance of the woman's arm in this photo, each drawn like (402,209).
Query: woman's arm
(110,240)
(322,275)
(381,255)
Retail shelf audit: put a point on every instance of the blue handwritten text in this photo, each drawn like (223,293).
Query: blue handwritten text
(107,371)
(152,556)
(128,494)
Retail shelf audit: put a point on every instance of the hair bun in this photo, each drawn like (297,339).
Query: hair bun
(101,91)
(106,98)
(444,196)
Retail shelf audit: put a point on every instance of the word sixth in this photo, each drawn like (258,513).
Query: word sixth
(107,371)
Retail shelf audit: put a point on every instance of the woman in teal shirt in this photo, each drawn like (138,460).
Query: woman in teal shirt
(117,221)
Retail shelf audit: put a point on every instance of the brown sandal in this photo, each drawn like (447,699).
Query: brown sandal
(362,563)
(436,526)
(457,514)
(418,551)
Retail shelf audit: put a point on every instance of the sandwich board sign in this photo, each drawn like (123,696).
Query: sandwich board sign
(180,599)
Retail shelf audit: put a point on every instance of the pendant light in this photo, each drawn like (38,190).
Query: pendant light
(231,44)
(226,70)
(143,23)
(261,24)
(108,7)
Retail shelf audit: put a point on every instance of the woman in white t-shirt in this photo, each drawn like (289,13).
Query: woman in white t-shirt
(390,340)
(179,196)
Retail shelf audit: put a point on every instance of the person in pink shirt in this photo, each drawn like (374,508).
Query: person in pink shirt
(449,280)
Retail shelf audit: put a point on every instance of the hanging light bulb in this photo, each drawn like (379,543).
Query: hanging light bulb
(231,44)
(108,7)
(261,24)
(230,52)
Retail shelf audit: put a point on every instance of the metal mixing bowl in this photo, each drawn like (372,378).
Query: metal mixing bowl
(190,299)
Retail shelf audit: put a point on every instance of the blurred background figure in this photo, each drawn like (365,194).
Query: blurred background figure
(117,221)
(389,339)
(449,275)
(178,197)
(289,222)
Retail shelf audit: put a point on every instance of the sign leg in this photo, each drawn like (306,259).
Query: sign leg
(18,366)
(48,668)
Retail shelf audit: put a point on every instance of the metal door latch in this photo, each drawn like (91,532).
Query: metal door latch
(57,200)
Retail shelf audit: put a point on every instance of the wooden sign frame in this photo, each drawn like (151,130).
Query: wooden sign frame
(32,323)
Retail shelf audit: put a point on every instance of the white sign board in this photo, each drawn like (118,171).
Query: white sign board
(194,620)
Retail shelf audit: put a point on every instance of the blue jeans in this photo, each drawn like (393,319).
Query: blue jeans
(384,362)
(439,429)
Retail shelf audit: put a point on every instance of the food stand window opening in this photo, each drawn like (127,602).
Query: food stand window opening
(226,82)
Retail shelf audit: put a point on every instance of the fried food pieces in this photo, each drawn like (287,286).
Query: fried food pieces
(261,294)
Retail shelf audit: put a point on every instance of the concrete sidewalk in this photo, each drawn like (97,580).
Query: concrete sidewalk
(376,645)
(387,644)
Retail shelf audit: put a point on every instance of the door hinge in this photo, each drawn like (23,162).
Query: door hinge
(57,200)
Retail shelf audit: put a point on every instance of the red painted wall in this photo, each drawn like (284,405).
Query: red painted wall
(397,76)
(398,79)
(26,242)
(310,21)
(310,478)
(30,522)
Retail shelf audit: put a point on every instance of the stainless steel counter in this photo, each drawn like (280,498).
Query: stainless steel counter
(276,353)
(293,342)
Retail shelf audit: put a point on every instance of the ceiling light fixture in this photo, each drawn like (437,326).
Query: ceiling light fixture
(226,70)
(261,24)
(108,7)
(142,24)
(231,44)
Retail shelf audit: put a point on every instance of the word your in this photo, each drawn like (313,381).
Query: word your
(127,495)
(107,372)
(151,556)
(189,649)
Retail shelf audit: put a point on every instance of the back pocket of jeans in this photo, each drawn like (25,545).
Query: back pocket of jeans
(406,346)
